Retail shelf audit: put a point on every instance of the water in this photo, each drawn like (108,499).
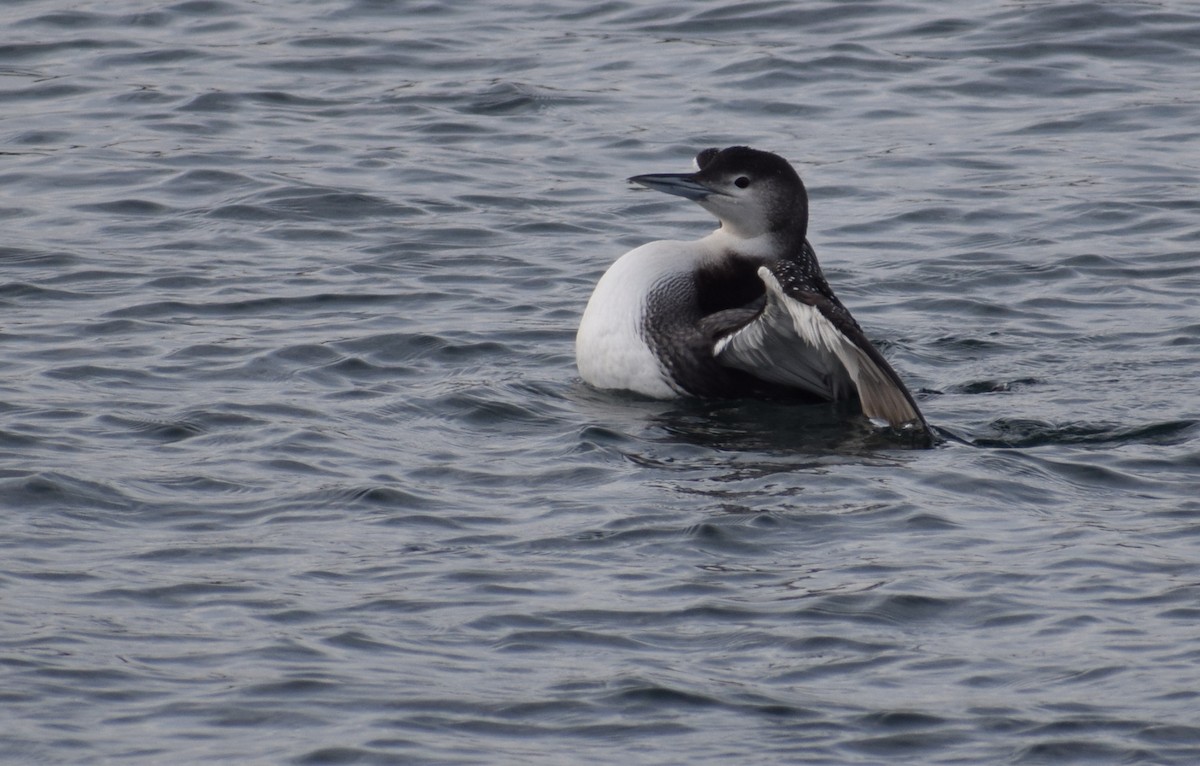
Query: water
(295,466)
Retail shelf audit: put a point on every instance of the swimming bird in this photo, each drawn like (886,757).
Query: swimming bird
(743,312)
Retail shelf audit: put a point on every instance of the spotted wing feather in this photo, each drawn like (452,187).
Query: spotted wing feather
(807,339)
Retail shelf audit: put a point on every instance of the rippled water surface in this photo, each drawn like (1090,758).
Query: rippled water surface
(295,466)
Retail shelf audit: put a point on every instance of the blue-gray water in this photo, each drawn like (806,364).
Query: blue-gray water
(295,466)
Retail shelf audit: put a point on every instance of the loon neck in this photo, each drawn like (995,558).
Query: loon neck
(768,247)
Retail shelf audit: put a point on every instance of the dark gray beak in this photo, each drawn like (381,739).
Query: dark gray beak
(679,184)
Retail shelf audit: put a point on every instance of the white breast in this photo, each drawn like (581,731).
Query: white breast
(610,349)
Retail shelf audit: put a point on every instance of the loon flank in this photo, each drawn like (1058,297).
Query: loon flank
(743,312)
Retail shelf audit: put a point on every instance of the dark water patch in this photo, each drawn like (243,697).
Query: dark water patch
(116,327)
(89,680)
(194,182)
(337,42)
(102,281)
(906,744)
(193,484)
(595,539)
(166,432)
(724,539)
(992,386)
(401,499)
(928,522)
(107,377)
(306,305)
(42,91)
(40,138)
(349,64)
(186,426)
(827,645)
(143,96)
(942,28)
(657,697)
(50,490)
(206,8)
(205,553)
(385,753)
(311,234)
(1069,750)
(202,351)
(14,440)
(1085,474)
(447,132)
(842,18)
(128,207)
(394,349)
(1025,433)
(545,640)
(1170,734)
(482,408)
(292,686)
(225,101)
(154,57)
(714,423)
(241,212)
(56,576)
(23,257)
(356,369)
(509,98)
(311,205)
(336,500)
(24,292)
(980,308)
(867,607)
(358,641)
(13,212)
(307,355)
(66,20)
(178,596)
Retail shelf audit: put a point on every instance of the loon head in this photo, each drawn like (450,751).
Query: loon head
(751,192)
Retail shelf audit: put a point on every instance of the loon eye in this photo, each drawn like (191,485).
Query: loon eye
(742,182)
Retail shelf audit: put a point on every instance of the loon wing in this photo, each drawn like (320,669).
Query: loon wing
(803,339)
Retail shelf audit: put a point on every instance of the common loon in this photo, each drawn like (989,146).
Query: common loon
(743,312)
